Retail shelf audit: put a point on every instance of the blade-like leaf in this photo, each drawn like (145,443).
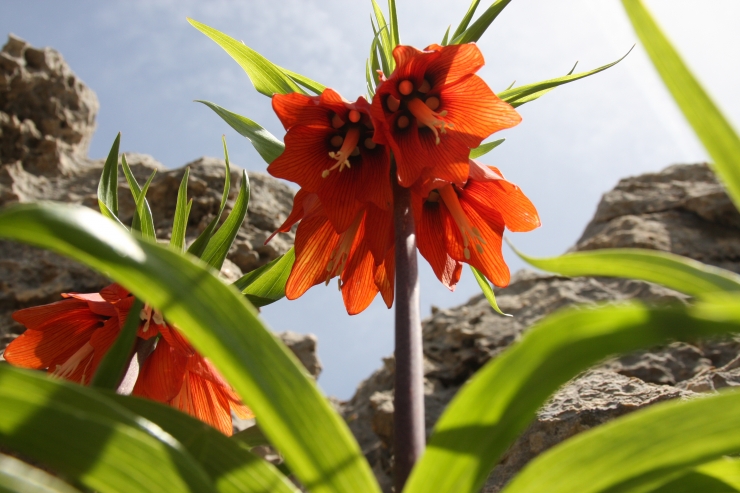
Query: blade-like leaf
(524,94)
(266,77)
(108,185)
(485,148)
(719,476)
(502,398)
(266,144)
(446,37)
(266,284)
(116,360)
(142,220)
(716,133)
(673,271)
(393,18)
(182,213)
(384,40)
(311,85)
(636,451)
(144,212)
(75,431)
(199,245)
(233,468)
(315,441)
(217,249)
(487,291)
(465,20)
(476,30)
(18,477)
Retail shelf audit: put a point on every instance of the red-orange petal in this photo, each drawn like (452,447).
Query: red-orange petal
(454,62)
(385,277)
(506,199)
(305,158)
(491,261)
(358,280)
(432,242)
(162,375)
(298,109)
(315,239)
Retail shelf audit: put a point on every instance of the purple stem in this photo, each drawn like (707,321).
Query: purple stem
(408,418)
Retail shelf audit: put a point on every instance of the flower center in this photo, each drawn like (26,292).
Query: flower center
(147,314)
(469,233)
(349,148)
(425,115)
(340,254)
(68,367)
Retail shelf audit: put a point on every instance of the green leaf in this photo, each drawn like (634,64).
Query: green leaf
(266,77)
(309,84)
(475,31)
(315,441)
(719,476)
(497,404)
(115,362)
(251,437)
(709,124)
(266,144)
(108,185)
(144,212)
(182,213)
(637,451)
(445,38)
(217,249)
(673,271)
(487,291)
(384,41)
(199,245)
(142,220)
(18,477)
(266,284)
(465,20)
(395,35)
(485,148)
(89,439)
(524,94)
(109,214)
(233,468)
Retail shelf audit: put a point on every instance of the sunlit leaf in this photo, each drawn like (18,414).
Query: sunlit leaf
(393,17)
(487,290)
(108,185)
(311,85)
(142,220)
(199,245)
(217,249)
(115,362)
(714,130)
(446,37)
(465,22)
(385,62)
(497,404)
(476,30)
(144,212)
(222,326)
(719,476)
(18,477)
(182,213)
(266,77)
(485,148)
(266,284)
(385,41)
(266,144)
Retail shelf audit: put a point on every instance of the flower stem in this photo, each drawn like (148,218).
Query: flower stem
(408,416)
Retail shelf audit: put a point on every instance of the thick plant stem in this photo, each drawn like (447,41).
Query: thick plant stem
(408,416)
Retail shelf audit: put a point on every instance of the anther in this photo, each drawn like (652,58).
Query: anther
(424,87)
(337,140)
(355,152)
(405,87)
(393,104)
(336,122)
(369,143)
(354,116)
(432,103)
(403,121)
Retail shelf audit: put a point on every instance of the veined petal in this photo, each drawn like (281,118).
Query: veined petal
(338,194)
(305,158)
(481,172)
(304,204)
(47,316)
(114,293)
(298,109)
(375,180)
(454,62)
(433,231)
(162,376)
(358,280)
(489,259)
(378,232)
(314,242)
(418,151)
(505,199)
(385,277)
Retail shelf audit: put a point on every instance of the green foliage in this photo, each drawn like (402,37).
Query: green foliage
(113,367)
(266,284)
(476,30)
(17,476)
(487,290)
(108,186)
(485,148)
(182,212)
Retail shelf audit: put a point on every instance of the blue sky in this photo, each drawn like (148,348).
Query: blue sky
(147,64)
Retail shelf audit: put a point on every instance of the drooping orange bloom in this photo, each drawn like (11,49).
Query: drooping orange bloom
(433,109)
(329,151)
(362,256)
(465,224)
(70,338)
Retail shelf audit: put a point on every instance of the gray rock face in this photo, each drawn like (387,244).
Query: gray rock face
(681,209)
(47,118)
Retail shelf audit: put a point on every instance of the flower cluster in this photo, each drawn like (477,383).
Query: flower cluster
(419,129)
(70,338)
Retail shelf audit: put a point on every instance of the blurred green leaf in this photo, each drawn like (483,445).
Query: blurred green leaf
(524,94)
(395,35)
(485,148)
(251,437)
(144,212)
(18,477)
(266,144)
(476,30)
(384,40)
(718,476)
(309,84)
(199,245)
(637,451)
(465,22)
(115,362)
(445,38)
(709,124)
(266,77)
(266,284)
(485,286)
(233,468)
(90,440)
(315,441)
(217,249)
(497,404)
(108,185)
(182,213)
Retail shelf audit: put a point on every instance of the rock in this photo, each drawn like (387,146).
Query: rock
(682,209)
(304,347)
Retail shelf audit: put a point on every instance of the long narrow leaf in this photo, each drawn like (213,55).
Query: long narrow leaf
(446,37)
(465,20)
(108,185)
(18,477)
(266,284)
(199,245)
(393,22)
(114,363)
(384,41)
(316,443)
(487,290)
(502,398)
(144,212)
(718,476)
(485,148)
(218,247)
(142,220)
(182,213)
(623,456)
(266,144)
(310,84)
(476,30)
(266,77)
(714,130)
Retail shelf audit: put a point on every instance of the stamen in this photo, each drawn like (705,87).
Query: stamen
(336,122)
(342,156)
(354,116)
(424,87)
(425,116)
(432,103)
(340,254)
(433,196)
(405,87)
(337,140)
(369,143)
(469,233)
(392,103)
(145,314)
(403,121)
(68,367)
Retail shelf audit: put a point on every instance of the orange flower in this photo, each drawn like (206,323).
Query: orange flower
(433,109)
(70,338)
(329,151)
(466,224)
(362,256)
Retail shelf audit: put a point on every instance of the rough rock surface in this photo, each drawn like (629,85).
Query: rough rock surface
(681,209)
(47,118)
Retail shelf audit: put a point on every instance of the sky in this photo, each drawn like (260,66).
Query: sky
(147,65)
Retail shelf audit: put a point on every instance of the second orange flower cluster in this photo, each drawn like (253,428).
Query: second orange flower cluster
(419,129)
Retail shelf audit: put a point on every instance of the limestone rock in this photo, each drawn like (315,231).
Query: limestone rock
(304,347)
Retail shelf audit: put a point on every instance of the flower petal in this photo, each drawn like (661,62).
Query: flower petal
(454,62)
(358,280)
(298,109)
(305,158)
(385,277)
(432,238)
(163,373)
(505,199)
(491,260)
(314,242)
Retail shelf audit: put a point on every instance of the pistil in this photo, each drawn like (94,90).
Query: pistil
(428,117)
(469,233)
(342,156)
